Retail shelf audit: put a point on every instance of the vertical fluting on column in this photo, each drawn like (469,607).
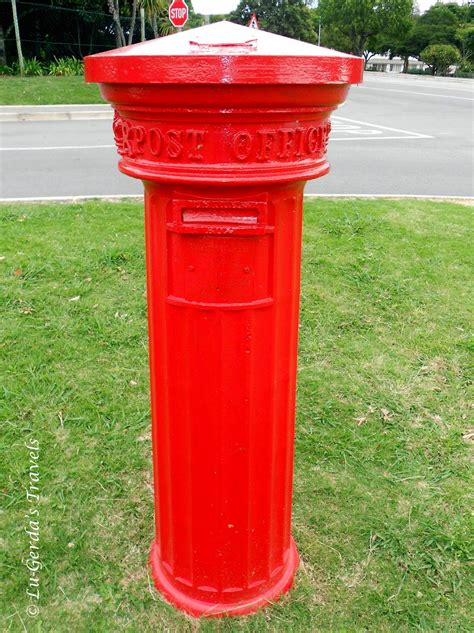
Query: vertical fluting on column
(222,381)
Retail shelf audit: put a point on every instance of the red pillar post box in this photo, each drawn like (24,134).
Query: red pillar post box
(224,125)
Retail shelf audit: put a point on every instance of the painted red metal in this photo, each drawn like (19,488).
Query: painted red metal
(224,124)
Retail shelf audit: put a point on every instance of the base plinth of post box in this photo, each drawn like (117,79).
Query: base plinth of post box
(252,602)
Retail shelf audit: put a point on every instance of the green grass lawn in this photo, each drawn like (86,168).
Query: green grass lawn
(382,445)
(47,90)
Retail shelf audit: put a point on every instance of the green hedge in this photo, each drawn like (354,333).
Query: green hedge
(59,67)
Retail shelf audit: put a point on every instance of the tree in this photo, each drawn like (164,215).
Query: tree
(114,8)
(17,38)
(437,26)
(404,45)
(465,36)
(132,22)
(359,20)
(441,24)
(376,45)
(331,36)
(291,18)
(69,28)
(157,13)
(439,57)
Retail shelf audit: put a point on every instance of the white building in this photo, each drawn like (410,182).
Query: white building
(384,64)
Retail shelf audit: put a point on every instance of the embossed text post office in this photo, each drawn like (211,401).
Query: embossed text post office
(224,124)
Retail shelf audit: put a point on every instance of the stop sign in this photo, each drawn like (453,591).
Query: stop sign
(178,13)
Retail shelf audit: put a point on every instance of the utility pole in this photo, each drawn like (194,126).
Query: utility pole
(17,37)
(319,33)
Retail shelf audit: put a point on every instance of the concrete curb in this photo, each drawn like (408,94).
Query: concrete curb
(54,116)
(67,112)
(415,77)
(347,196)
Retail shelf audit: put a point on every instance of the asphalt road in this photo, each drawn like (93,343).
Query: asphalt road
(396,135)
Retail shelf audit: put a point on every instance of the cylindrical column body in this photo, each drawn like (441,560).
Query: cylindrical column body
(224,137)
(223,296)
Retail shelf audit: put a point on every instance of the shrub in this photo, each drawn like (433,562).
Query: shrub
(62,66)
(464,74)
(419,71)
(66,66)
(439,57)
(6,70)
(32,67)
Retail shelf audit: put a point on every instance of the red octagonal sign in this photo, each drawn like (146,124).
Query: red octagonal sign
(178,13)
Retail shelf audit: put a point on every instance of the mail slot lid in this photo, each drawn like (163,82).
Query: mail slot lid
(220,252)
(219,217)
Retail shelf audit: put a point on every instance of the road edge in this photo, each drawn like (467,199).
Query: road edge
(348,196)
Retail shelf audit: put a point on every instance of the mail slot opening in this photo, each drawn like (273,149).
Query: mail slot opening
(220,216)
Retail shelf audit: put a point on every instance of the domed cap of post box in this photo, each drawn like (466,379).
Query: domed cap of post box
(223,53)
(223,104)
